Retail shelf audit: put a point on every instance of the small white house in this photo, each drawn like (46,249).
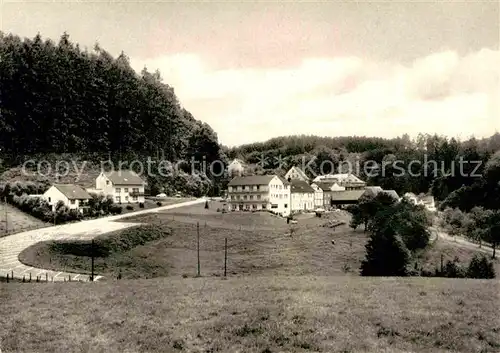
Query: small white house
(73,196)
(124,186)
(236,168)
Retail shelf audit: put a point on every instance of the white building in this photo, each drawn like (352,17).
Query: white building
(123,186)
(259,192)
(302,196)
(295,173)
(236,167)
(348,181)
(425,200)
(73,196)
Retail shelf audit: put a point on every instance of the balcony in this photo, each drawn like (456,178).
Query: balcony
(260,191)
(265,200)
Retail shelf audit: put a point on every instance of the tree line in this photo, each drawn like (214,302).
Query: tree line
(60,98)
(399,233)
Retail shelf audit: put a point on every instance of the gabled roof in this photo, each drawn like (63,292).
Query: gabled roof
(300,186)
(392,193)
(324,185)
(339,177)
(251,180)
(373,190)
(73,192)
(348,195)
(299,172)
(124,177)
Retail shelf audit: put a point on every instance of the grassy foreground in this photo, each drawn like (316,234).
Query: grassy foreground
(252,314)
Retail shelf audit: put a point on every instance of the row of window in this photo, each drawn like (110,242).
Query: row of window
(119,190)
(255,187)
(119,199)
(254,206)
(246,197)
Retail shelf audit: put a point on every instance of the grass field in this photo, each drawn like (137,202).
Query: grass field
(259,244)
(252,314)
(13,220)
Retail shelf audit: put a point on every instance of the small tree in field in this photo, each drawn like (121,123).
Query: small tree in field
(386,255)
(481,267)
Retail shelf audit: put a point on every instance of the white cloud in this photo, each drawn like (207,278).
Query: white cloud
(441,93)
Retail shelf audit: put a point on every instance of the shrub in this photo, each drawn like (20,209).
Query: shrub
(480,267)
(452,269)
(141,205)
(115,209)
(218,210)
(129,207)
(158,204)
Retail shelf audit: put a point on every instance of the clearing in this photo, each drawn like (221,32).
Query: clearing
(13,220)
(252,314)
(259,244)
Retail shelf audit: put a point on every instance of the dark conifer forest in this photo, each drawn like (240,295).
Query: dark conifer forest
(61,98)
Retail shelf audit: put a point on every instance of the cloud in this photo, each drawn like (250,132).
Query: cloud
(441,93)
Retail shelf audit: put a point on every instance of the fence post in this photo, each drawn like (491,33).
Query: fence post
(198,238)
(30,276)
(225,257)
(12,274)
(24,279)
(442,263)
(46,277)
(7,278)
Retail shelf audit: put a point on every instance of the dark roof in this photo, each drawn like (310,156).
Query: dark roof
(348,195)
(251,180)
(124,177)
(300,186)
(324,186)
(392,193)
(285,182)
(73,192)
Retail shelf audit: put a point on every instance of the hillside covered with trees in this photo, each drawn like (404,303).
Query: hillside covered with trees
(426,164)
(57,98)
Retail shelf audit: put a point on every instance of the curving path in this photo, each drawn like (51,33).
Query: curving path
(11,246)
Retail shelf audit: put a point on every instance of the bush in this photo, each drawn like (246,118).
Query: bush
(480,267)
(158,204)
(218,210)
(129,207)
(141,205)
(115,209)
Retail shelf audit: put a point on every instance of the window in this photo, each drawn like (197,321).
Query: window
(49,199)
(118,190)
(72,202)
(245,197)
(238,197)
(126,190)
(107,182)
(117,199)
(232,197)
(254,206)
(258,197)
(230,188)
(135,190)
(134,198)
(274,206)
(286,205)
(263,206)
(258,187)
(251,197)
(280,187)
(126,198)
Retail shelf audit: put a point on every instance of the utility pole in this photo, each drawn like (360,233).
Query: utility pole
(225,257)
(6,217)
(198,236)
(92,257)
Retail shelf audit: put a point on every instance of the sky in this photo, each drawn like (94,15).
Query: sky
(257,70)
